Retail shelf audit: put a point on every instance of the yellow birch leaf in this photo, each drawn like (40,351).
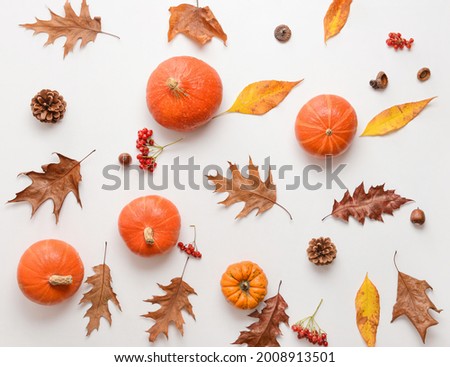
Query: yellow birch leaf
(260,97)
(367,305)
(336,17)
(394,118)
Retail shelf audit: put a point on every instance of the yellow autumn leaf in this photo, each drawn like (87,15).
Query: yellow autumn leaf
(367,305)
(260,97)
(336,17)
(394,118)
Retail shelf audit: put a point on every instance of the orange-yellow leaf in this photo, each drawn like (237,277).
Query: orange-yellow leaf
(367,305)
(394,118)
(260,97)
(336,17)
(199,24)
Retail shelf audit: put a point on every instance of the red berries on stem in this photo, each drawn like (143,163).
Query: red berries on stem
(309,329)
(396,41)
(149,150)
(191,248)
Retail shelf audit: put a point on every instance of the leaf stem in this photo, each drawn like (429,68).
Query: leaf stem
(274,202)
(395,263)
(326,217)
(279,286)
(184,268)
(109,34)
(220,114)
(104,253)
(197,3)
(87,156)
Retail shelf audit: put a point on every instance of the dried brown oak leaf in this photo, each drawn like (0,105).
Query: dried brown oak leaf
(413,302)
(255,193)
(99,296)
(55,182)
(265,331)
(172,303)
(199,24)
(71,26)
(373,204)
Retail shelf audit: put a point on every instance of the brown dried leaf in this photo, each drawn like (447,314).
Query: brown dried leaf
(199,24)
(255,193)
(57,180)
(172,303)
(265,331)
(71,26)
(413,302)
(99,296)
(376,202)
(336,17)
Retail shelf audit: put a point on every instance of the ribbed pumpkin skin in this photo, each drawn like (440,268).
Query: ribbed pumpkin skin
(199,100)
(324,114)
(44,259)
(235,275)
(154,212)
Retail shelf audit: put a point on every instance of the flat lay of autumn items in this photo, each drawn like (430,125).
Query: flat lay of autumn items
(276,198)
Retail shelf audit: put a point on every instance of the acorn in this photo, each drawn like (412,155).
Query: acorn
(417,217)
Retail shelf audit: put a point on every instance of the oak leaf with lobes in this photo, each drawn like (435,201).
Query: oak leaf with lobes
(99,296)
(199,24)
(71,26)
(414,303)
(373,204)
(252,190)
(172,303)
(265,331)
(55,182)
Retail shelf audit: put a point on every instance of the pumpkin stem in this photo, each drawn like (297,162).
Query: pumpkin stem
(60,280)
(148,236)
(244,285)
(173,85)
(329,132)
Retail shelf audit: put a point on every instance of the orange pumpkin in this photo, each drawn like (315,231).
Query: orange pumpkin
(150,225)
(183,93)
(244,284)
(49,272)
(326,125)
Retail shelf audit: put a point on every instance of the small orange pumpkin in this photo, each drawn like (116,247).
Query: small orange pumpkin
(244,284)
(150,225)
(49,272)
(326,125)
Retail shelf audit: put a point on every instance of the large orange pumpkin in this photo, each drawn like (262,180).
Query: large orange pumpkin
(244,284)
(49,272)
(183,93)
(326,125)
(150,225)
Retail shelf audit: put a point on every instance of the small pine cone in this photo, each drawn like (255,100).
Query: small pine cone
(48,106)
(321,251)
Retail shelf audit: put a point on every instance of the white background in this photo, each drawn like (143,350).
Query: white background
(104,85)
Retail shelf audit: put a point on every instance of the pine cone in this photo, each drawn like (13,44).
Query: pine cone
(48,106)
(321,251)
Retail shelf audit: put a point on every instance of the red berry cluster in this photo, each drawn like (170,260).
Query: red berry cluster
(313,336)
(190,250)
(309,329)
(398,42)
(143,144)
